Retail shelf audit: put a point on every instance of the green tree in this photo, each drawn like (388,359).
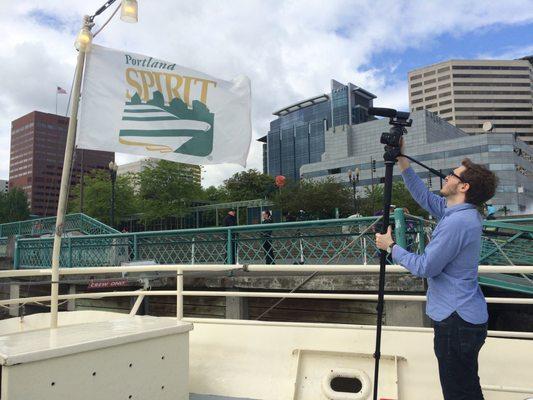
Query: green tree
(97,196)
(14,206)
(372,201)
(249,185)
(317,198)
(216,194)
(165,190)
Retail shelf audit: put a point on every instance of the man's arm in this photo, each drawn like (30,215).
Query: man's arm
(443,248)
(429,201)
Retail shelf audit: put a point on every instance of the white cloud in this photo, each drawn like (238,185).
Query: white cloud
(289,49)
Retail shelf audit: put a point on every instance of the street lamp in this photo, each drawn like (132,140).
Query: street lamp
(113,168)
(353,177)
(129,11)
(82,44)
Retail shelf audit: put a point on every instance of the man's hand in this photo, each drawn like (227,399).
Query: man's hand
(403,163)
(384,241)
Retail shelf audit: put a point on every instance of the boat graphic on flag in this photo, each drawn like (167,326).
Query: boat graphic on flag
(141,105)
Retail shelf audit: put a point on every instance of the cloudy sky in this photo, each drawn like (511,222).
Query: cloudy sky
(289,49)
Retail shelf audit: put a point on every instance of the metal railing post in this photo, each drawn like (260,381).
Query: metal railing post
(364,251)
(192,251)
(400,228)
(16,255)
(229,248)
(179,294)
(135,248)
(69,252)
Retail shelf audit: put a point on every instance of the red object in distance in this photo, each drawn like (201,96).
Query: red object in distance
(280,181)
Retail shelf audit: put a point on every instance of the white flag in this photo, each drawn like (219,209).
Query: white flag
(142,105)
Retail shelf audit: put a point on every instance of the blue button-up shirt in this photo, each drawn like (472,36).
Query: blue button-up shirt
(450,261)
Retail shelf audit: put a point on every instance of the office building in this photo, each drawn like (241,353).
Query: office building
(477,96)
(38,143)
(296,136)
(190,171)
(4,186)
(436,143)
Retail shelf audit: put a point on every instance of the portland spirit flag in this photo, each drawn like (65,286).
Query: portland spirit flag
(142,105)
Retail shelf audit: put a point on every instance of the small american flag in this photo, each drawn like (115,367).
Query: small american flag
(60,90)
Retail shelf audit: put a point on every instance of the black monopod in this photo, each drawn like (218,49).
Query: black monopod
(392,141)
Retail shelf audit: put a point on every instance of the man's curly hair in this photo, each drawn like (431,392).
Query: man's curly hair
(482,181)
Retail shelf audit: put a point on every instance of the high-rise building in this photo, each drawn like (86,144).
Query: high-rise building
(296,136)
(437,144)
(38,143)
(190,171)
(4,186)
(477,96)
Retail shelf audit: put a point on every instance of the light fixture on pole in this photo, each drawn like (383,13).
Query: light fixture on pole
(129,11)
(85,37)
(82,44)
(113,168)
(353,177)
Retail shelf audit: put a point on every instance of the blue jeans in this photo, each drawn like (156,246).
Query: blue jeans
(457,344)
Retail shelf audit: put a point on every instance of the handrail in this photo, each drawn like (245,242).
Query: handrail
(181,269)
(347,268)
(309,241)
(48,224)
(236,228)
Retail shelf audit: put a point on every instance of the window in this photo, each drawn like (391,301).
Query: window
(444,78)
(417,101)
(445,94)
(413,77)
(430,81)
(415,85)
(493,109)
(495,84)
(489,117)
(502,167)
(443,69)
(431,97)
(489,92)
(431,105)
(429,73)
(431,89)
(416,93)
(492,76)
(503,147)
(445,102)
(491,67)
(493,101)
(446,111)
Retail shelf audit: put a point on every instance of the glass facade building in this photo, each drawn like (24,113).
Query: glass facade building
(296,136)
(436,143)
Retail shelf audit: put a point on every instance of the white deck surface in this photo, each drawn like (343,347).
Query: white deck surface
(43,344)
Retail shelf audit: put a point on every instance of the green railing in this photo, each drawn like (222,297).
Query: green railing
(42,226)
(342,241)
(337,241)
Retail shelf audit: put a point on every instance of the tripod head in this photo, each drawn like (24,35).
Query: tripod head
(399,121)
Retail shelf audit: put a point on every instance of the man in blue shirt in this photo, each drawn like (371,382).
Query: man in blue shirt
(450,261)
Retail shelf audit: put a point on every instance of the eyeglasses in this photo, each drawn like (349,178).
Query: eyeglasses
(451,173)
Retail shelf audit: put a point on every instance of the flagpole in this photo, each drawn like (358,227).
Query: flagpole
(65,177)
